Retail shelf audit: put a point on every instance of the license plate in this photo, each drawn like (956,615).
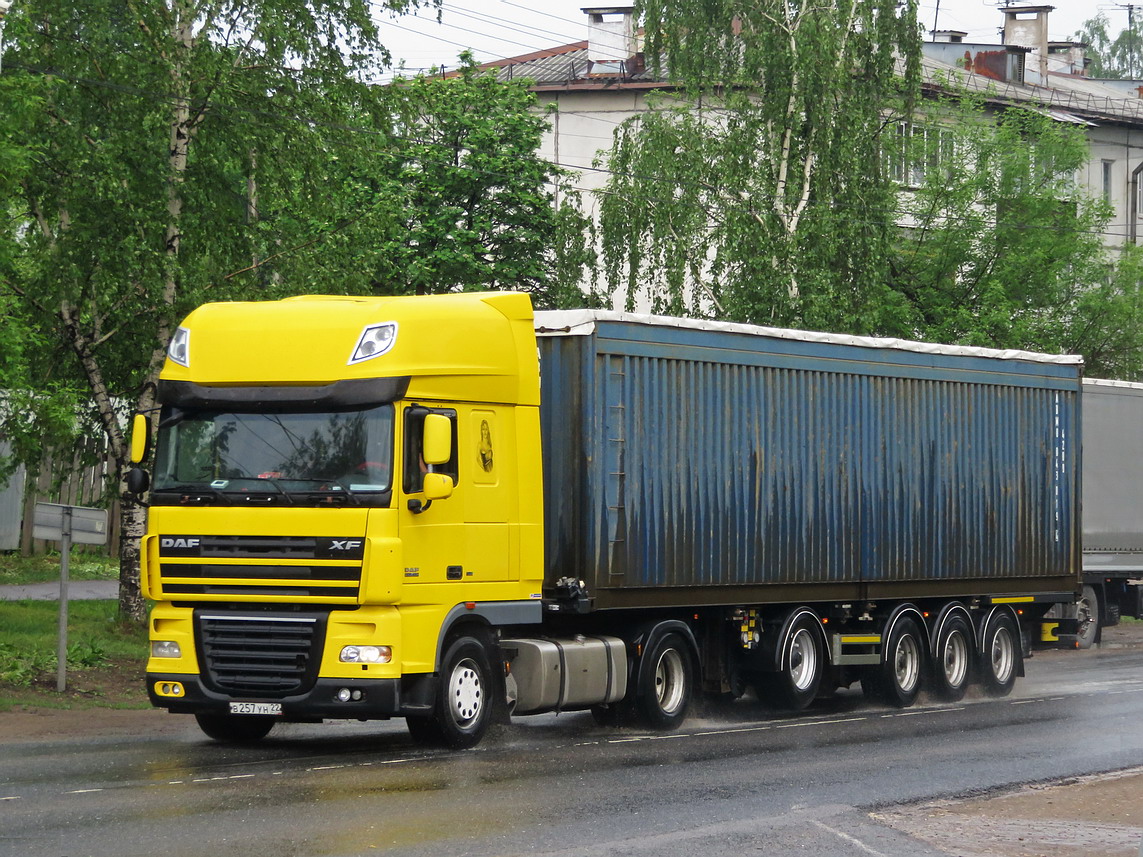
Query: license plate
(255,708)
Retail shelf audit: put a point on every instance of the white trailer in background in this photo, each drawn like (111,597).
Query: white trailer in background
(1112,506)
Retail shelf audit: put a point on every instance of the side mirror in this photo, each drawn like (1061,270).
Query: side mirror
(138,481)
(437,440)
(437,486)
(140,439)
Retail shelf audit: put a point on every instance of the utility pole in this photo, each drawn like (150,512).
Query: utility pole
(1132,43)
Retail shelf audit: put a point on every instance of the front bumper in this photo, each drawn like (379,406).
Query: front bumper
(380,698)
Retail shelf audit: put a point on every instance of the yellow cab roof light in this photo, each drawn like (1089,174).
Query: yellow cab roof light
(374,341)
(179,349)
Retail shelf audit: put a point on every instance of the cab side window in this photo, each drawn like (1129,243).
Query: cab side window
(415,467)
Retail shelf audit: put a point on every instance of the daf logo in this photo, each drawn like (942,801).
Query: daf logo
(180,543)
(345,544)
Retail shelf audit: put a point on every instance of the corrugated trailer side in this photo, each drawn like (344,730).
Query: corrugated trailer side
(691,464)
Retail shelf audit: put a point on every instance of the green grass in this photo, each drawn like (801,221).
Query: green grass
(15,569)
(106,657)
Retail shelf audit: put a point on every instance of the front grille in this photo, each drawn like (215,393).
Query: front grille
(313,569)
(261,547)
(260,655)
(292,581)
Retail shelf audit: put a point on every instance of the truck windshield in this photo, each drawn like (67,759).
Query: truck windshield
(342,457)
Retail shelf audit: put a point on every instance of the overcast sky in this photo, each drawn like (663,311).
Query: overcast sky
(495,29)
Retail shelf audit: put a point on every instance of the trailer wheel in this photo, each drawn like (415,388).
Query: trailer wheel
(897,680)
(952,660)
(1000,655)
(801,666)
(236,728)
(1087,615)
(463,707)
(665,680)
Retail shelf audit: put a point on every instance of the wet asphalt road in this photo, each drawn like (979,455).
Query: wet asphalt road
(733,780)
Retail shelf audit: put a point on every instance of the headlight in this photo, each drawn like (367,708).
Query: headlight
(366,655)
(165,649)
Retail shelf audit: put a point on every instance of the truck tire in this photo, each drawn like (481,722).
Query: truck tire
(1087,614)
(801,665)
(898,678)
(463,707)
(666,679)
(952,660)
(1000,655)
(236,728)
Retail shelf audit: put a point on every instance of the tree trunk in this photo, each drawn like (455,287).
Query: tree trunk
(133,521)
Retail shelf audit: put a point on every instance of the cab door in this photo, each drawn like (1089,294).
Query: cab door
(463,537)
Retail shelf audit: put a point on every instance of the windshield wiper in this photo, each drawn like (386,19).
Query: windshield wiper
(195,493)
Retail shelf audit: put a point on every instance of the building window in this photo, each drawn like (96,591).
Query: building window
(1107,165)
(919,150)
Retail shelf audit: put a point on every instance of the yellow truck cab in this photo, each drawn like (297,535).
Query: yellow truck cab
(296,568)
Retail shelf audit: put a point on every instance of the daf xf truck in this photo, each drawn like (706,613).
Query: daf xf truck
(452,509)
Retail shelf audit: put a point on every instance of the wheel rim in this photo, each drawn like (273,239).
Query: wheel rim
(803,666)
(955,659)
(669,681)
(907,663)
(466,692)
(1085,612)
(1003,654)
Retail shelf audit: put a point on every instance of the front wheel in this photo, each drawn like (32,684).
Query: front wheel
(663,694)
(1000,656)
(463,706)
(236,728)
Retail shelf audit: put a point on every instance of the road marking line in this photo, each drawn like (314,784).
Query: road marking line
(82,791)
(850,839)
(820,722)
(733,731)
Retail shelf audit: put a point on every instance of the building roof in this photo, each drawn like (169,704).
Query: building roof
(1069,98)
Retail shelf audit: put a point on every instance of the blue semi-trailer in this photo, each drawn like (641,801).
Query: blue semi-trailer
(796,511)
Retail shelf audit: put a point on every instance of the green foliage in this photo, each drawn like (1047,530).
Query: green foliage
(165,154)
(458,199)
(45,568)
(20,669)
(29,642)
(1112,56)
(1003,248)
(756,191)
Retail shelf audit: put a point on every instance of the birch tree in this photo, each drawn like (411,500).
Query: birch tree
(165,154)
(755,189)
